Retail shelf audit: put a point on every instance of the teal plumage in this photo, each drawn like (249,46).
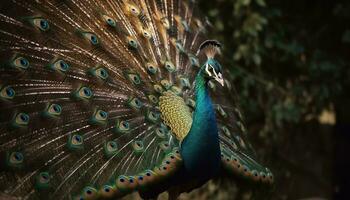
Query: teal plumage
(201,146)
(96,100)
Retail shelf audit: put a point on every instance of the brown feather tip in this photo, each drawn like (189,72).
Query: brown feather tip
(210,48)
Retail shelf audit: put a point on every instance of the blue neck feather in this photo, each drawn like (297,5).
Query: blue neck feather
(200,149)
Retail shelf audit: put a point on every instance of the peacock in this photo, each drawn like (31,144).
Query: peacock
(99,99)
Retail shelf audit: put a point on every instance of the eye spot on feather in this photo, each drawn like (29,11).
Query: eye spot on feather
(83,93)
(133,9)
(160,132)
(158,88)
(126,184)
(39,23)
(108,191)
(98,72)
(110,148)
(193,60)
(166,84)
(75,142)
(164,145)
(138,147)
(169,66)
(109,21)
(7,93)
(90,192)
(90,37)
(152,99)
(59,65)
(135,103)
(20,63)
(52,110)
(99,117)
(20,120)
(122,126)
(146,33)
(132,43)
(42,181)
(133,77)
(152,68)
(152,117)
(15,159)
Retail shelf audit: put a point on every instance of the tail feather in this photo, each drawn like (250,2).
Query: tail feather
(79,88)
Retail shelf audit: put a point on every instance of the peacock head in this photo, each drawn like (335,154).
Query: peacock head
(212,68)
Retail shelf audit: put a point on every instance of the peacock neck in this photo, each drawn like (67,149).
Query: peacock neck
(201,91)
(200,149)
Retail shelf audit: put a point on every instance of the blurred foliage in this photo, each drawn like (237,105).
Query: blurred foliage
(290,63)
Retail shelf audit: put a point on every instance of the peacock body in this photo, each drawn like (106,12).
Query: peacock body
(102,98)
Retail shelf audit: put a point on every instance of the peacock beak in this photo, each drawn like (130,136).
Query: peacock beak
(219,79)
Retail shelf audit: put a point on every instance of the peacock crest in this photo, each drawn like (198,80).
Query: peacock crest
(96,98)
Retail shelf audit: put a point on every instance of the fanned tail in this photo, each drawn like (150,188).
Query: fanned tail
(80,83)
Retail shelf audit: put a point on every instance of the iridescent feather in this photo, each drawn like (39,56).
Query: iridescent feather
(80,86)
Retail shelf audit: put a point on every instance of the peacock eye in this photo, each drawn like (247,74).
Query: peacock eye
(54,109)
(153,98)
(77,139)
(146,34)
(160,133)
(111,22)
(133,10)
(7,92)
(16,158)
(59,65)
(91,37)
(164,145)
(166,84)
(169,66)
(158,88)
(138,146)
(152,116)
(22,119)
(135,103)
(122,126)
(100,116)
(99,72)
(40,23)
(112,145)
(135,78)
(211,69)
(90,192)
(102,73)
(85,92)
(20,63)
(132,43)
(152,68)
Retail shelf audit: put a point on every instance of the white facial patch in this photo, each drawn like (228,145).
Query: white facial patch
(216,76)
